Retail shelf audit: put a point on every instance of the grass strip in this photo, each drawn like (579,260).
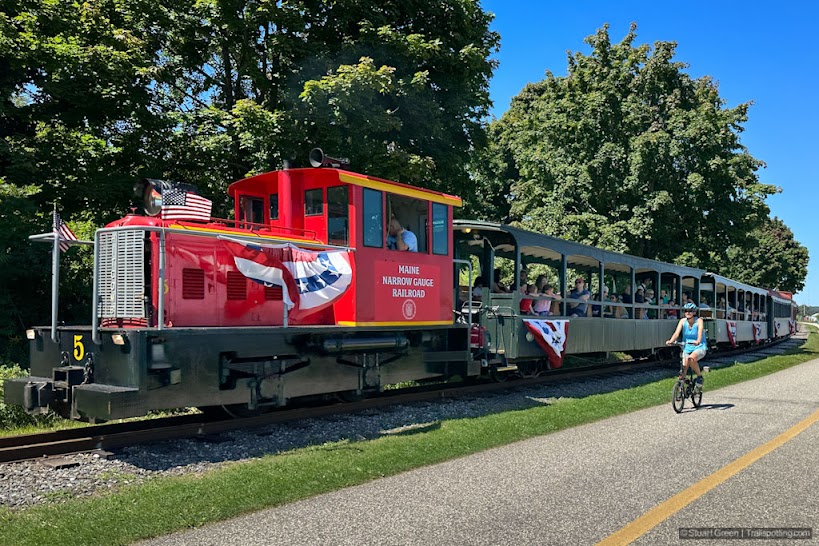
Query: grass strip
(169,504)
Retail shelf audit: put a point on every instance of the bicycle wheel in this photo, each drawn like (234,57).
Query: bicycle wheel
(696,397)
(678,397)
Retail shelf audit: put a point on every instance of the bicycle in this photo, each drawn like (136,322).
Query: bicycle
(685,387)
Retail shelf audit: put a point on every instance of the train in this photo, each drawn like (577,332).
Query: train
(301,296)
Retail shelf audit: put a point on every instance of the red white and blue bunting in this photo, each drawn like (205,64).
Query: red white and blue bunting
(732,332)
(757,327)
(551,336)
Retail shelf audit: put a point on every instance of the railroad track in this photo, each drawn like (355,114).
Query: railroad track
(117,435)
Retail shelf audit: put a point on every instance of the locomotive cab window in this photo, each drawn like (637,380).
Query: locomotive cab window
(440,230)
(274,206)
(251,211)
(338,224)
(413,217)
(373,220)
(313,202)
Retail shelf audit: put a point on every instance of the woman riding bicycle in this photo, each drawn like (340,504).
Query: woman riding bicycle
(693,331)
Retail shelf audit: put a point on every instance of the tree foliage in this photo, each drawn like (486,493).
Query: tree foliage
(630,153)
(399,87)
(774,259)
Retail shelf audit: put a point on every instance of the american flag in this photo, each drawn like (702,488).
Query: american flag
(64,232)
(180,204)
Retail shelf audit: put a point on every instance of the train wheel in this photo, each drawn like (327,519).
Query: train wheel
(498,377)
(531,369)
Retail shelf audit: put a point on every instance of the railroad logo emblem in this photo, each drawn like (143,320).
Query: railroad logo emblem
(408,309)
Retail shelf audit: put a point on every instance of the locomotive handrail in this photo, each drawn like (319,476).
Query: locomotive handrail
(469,296)
(55,242)
(323,246)
(255,227)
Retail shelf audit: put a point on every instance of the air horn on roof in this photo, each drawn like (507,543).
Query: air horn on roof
(318,159)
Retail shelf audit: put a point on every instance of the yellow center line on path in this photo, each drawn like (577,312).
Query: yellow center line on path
(665,510)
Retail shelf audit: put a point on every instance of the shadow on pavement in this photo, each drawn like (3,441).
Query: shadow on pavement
(716,406)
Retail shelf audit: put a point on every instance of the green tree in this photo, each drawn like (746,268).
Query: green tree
(775,259)
(630,153)
(74,96)
(401,88)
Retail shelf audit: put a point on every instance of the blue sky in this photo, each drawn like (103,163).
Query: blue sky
(763,53)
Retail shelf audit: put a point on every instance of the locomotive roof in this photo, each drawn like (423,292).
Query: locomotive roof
(550,248)
(332,175)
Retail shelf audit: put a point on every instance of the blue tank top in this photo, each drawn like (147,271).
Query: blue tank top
(689,335)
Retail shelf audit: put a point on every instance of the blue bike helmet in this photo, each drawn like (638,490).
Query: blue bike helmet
(690,306)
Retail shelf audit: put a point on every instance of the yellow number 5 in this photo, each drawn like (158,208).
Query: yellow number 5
(79,349)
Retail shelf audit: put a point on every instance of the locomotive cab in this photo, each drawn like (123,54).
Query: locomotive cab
(300,294)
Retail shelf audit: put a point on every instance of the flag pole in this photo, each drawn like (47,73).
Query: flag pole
(55,276)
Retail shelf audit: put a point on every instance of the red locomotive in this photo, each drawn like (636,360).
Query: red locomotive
(300,295)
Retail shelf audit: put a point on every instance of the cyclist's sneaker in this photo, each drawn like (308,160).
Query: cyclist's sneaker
(698,383)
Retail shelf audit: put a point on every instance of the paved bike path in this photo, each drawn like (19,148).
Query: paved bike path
(577,486)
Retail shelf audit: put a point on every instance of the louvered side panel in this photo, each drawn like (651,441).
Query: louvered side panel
(122,274)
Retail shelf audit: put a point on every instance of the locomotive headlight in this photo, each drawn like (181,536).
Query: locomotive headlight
(118,339)
(153,201)
(149,191)
(529,336)
(31,334)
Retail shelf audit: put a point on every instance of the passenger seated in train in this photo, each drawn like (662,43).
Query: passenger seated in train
(523,281)
(649,298)
(626,298)
(639,297)
(646,284)
(543,305)
(477,288)
(400,238)
(672,310)
(497,286)
(579,293)
(612,311)
(596,309)
(704,303)
(527,301)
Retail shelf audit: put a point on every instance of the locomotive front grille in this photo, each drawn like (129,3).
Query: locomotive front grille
(122,274)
